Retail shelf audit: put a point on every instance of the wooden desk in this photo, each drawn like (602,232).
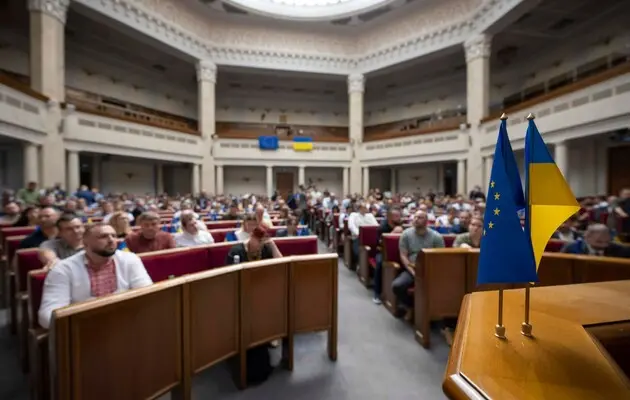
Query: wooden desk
(562,361)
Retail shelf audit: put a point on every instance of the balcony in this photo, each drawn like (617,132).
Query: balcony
(591,106)
(102,134)
(23,112)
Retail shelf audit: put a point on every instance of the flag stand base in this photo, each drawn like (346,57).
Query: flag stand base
(499,331)
(526,329)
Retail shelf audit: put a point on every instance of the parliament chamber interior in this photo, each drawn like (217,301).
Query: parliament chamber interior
(314,199)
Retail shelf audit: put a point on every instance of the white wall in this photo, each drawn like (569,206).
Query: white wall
(330,179)
(127,175)
(241,180)
(588,166)
(418,178)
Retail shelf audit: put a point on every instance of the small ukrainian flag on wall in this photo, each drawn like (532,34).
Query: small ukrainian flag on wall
(302,143)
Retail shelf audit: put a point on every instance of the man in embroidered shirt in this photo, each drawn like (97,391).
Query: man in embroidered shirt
(150,237)
(97,271)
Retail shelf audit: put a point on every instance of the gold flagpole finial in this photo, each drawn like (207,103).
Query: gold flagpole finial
(503,117)
(530,117)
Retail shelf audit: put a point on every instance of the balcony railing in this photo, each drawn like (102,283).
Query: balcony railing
(394,130)
(235,130)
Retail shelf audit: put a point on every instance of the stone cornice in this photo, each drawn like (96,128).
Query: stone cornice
(55,8)
(368,59)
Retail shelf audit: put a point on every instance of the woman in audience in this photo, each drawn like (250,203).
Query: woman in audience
(120,222)
(242,233)
(29,217)
(292,229)
(472,238)
(191,235)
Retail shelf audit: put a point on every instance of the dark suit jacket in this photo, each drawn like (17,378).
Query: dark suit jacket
(613,250)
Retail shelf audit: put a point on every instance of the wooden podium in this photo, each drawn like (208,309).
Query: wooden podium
(580,348)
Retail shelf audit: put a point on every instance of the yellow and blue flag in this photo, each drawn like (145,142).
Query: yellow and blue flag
(302,143)
(549,197)
(506,254)
(122,246)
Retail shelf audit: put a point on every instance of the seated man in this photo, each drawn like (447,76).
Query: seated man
(597,242)
(150,237)
(392,224)
(97,271)
(292,229)
(472,238)
(68,243)
(412,241)
(191,235)
(46,229)
(566,231)
(242,233)
(356,220)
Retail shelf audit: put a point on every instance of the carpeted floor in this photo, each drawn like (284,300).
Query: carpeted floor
(377,359)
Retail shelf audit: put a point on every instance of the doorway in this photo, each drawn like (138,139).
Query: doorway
(618,177)
(85,175)
(284,183)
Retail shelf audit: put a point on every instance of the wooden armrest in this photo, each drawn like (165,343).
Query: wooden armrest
(391,264)
(23,296)
(39,334)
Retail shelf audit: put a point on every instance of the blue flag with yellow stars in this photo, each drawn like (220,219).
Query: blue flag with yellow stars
(506,254)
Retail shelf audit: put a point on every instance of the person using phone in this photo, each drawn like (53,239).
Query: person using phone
(258,246)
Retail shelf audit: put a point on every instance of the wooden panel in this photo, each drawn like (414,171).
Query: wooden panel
(556,269)
(313,292)
(471,276)
(133,339)
(560,362)
(618,177)
(284,183)
(615,338)
(599,269)
(214,317)
(264,302)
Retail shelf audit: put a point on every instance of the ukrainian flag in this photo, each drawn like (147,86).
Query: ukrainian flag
(122,246)
(549,197)
(302,143)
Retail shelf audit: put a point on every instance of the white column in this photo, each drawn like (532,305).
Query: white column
(220,179)
(207,78)
(393,180)
(159,178)
(346,187)
(478,102)
(194,187)
(440,178)
(561,157)
(301,175)
(356,87)
(366,181)
(269,180)
(487,166)
(96,171)
(73,171)
(461,177)
(31,166)
(47,72)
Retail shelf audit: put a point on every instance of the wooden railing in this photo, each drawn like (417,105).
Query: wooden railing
(7,80)
(229,130)
(612,72)
(386,131)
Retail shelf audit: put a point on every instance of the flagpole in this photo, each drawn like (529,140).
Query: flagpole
(499,329)
(526,326)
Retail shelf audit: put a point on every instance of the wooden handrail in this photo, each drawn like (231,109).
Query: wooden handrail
(444,125)
(255,135)
(613,72)
(93,111)
(21,87)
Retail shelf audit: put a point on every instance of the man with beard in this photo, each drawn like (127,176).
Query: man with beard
(97,271)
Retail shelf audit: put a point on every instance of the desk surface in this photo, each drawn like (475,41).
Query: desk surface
(562,361)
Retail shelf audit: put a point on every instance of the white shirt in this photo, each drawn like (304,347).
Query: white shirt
(68,282)
(442,220)
(241,234)
(109,216)
(355,220)
(185,239)
(342,217)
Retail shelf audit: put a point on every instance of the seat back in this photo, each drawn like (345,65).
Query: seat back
(368,236)
(219,234)
(15,231)
(233,224)
(35,288)
(391,250)
(165,264)
(297,245)
(217,253)
(555,245)
(27,260)
(11,245)
(449,240)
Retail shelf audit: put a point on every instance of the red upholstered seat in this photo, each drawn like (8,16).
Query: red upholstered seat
(161,265)
(222,224)
(448,240)
(17,231)
(555,245)
(368,236)
(35,291)
(217,253)
(390,248)
(27,261)
(219,234)
(11,245)
(273,231)
(297,245)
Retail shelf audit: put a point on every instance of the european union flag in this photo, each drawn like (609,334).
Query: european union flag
(506,254)
(268,142)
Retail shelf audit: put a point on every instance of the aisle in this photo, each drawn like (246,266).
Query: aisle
(378,359)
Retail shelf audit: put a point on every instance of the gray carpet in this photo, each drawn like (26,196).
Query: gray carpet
(377,359)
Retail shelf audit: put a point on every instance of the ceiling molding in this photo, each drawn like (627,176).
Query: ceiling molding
(334,61)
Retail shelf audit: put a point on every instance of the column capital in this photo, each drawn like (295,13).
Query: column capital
(206,71)
(55,8)
(477,47)
(356,83)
